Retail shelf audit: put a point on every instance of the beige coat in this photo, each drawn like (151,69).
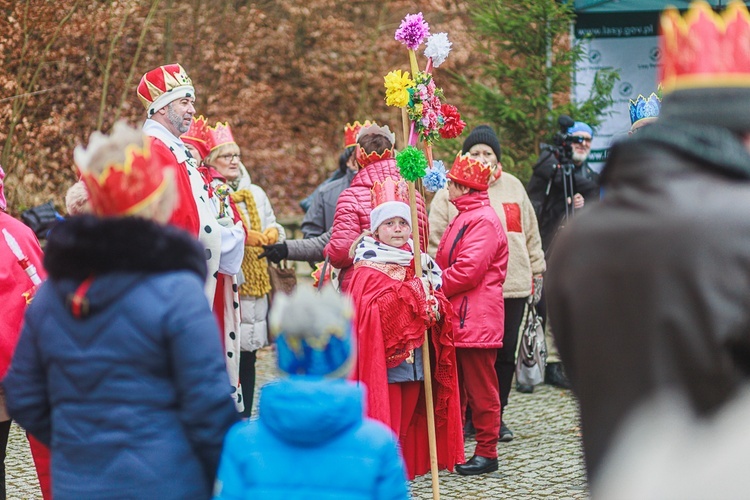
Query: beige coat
(509,199)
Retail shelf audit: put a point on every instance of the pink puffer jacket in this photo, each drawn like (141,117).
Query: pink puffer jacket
(353,215)
(473,255)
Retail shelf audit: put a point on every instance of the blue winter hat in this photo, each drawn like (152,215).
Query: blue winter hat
(313,332)
(580,127)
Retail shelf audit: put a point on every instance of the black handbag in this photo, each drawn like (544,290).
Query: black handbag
(532,353)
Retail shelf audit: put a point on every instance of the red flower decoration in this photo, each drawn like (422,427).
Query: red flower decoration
(453,124)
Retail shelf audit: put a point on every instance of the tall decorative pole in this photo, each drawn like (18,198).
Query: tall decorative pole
(425,117)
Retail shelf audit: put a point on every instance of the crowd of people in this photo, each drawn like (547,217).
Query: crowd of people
(128,345)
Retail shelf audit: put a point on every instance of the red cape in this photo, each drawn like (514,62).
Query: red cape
(389,321)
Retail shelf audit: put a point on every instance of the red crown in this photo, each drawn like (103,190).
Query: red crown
(389,190)
(197,135)
(163,85)
(350,132)
(219,135)
(125,189)
(705,49)
(365,159)
(470,172)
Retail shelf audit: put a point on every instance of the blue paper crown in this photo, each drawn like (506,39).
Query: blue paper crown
(644,107)
(313,333)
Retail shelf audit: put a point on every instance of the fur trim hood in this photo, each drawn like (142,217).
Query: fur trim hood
(86,245)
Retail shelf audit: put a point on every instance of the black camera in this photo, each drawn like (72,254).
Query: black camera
(563,142)
(562,149)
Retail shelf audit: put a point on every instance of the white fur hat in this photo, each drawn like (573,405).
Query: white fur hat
(388,210)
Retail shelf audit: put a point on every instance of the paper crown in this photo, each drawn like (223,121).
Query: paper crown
(313,332)
(364,158)
(163,85)
(704,49)
(219,135)
(374,128)
(350,132)
(389,189)
(197,135)
(470,172)
(122,172)
(644,107)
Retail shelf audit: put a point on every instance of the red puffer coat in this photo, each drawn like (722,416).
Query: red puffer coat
(353,215)
(473,255)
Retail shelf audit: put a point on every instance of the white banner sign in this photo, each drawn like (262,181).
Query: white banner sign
(636,58)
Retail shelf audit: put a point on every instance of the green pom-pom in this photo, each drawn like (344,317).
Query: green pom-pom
(412,163)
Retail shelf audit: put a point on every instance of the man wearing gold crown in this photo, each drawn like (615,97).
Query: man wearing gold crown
(649,291)
(168,95)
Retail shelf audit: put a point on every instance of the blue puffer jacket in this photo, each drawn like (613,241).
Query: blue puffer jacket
(311,441)
(132,396)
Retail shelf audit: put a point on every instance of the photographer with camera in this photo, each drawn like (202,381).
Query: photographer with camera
(562,183)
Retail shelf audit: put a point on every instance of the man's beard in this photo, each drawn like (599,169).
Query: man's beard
(176,120)
(579,158)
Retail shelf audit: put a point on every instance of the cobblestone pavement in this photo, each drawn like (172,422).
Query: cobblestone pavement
(543,461)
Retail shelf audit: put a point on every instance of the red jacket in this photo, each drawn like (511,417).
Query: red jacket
(353,215)
(14,283)
(473,255)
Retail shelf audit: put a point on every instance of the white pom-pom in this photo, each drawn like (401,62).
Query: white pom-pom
(437,48)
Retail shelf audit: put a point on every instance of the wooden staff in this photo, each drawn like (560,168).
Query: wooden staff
(431,437)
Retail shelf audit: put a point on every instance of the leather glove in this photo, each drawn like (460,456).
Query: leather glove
(275,253)
(272,234)
(536,288)
(225,221)
(256,239)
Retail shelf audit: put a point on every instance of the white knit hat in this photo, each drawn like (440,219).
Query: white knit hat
(388,210)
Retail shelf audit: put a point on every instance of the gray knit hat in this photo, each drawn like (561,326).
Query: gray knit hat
(483,134)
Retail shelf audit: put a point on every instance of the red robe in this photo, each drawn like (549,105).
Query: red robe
(390,320)
(185,215)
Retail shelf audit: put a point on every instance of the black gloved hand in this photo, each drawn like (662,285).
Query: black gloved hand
(275,253)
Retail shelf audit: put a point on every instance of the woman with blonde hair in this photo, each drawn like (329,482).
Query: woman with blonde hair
(231,186)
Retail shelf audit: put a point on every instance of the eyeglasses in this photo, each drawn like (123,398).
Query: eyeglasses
(230,157)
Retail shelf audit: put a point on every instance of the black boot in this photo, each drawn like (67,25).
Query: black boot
(555,375)
(506,435)
(477,465)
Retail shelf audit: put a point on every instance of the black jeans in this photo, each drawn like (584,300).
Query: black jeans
(247,379)
(505,365)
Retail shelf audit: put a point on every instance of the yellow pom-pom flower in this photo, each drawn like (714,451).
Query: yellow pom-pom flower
(396,88)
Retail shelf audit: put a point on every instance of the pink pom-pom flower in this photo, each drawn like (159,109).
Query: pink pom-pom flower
(412,31)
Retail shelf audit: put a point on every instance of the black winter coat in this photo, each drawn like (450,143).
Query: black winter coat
(650,289)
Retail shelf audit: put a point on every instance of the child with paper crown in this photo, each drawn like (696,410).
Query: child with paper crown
(393,309)
(311,439)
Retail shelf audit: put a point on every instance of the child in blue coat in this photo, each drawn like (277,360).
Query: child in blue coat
(312,440)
